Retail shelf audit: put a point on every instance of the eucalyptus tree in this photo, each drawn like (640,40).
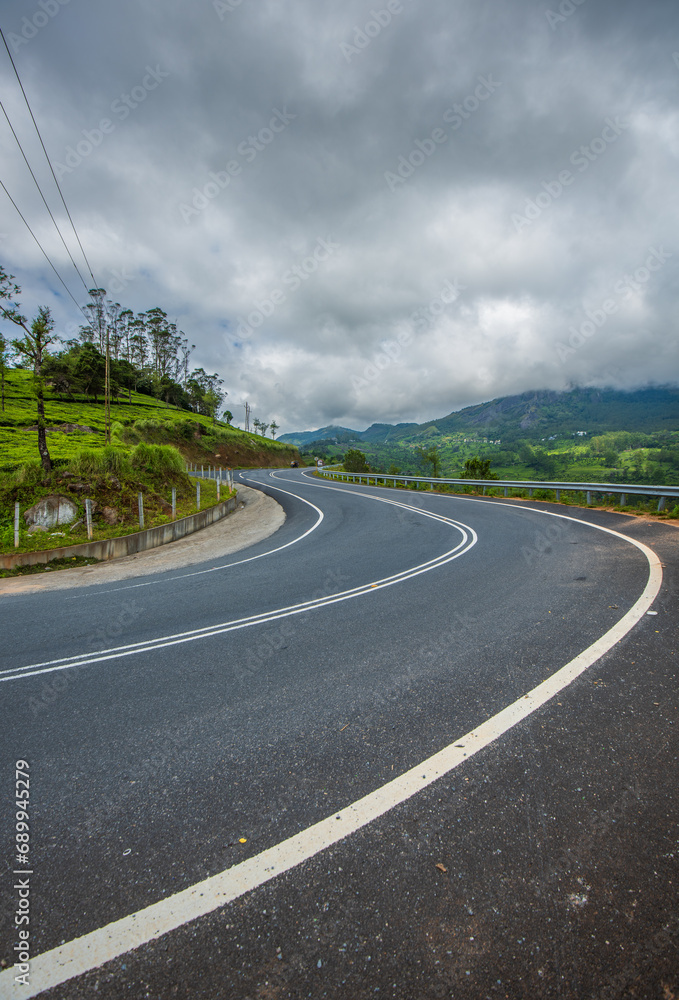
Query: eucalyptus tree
(31,348)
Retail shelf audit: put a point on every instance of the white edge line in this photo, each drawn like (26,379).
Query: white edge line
(215,569)
(107,943)
(160,642)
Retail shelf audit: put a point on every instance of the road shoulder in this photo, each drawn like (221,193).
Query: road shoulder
(256,517)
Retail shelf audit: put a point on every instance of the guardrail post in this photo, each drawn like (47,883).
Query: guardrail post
(88,517)
(530,493)
(558,495)
(506,491)
(174,502)
(589,497)
(661,504)
(16,525)
(623,499)
(140,504)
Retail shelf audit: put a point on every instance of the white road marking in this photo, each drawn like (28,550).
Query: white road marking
(469,539)
(213,569)
(107,943)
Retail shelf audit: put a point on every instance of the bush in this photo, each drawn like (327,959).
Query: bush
(159,459)
(30,473)
(85,463)
(477,468)
(114,461)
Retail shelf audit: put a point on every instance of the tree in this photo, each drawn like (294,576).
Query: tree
(96,312)
(228,416)
(212,400)
(274,427)
(185,354)
(3,368)
(354,461)
(431,456)
(90,370)
(477,468)
(171,391)
(204,392)
(32,347)
(59,372)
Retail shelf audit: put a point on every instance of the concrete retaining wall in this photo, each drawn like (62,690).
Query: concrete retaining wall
(125,545)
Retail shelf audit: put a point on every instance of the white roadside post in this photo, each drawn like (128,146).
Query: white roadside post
(174,502)
(88,517)
(140,501)
(16,525)
(197,496)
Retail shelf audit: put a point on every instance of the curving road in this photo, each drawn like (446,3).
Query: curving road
(245,774)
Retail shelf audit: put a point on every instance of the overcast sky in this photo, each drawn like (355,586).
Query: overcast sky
(360,211)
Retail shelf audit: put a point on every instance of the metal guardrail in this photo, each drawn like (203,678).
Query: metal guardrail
(616,489)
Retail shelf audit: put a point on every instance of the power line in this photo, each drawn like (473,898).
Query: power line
(16,71)
(43,250)
(43,196)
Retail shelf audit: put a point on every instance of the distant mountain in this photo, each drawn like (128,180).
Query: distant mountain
(542,413)
(381,433)
(338,435)
(535,414)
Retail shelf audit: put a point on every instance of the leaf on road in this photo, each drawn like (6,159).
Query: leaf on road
(443,869)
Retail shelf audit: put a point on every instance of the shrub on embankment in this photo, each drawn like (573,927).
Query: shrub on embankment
(112,478)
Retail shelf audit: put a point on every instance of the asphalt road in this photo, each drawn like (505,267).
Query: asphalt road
(184,724)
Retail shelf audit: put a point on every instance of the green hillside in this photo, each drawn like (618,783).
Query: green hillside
(543,413)
(77,423)
(531,416)
(589,435)
(332,433)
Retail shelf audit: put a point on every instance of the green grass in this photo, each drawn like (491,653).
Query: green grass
(143,420)
(112,478)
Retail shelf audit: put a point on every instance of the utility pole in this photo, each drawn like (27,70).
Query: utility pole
(247,416)
(107,390)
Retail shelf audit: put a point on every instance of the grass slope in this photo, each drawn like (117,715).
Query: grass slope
(142,419)
(112,480)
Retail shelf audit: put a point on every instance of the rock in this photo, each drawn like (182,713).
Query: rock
(35,528)
(66,429)
(73,428)
(51,511)
(110,515)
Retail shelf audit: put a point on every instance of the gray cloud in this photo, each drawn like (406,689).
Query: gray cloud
(563,115)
